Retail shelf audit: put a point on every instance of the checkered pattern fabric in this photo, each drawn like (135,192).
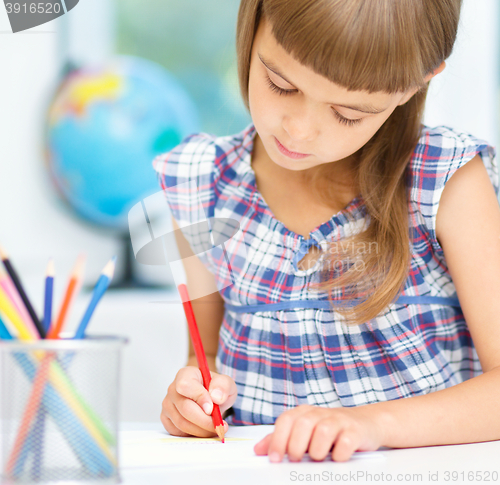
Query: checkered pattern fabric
(280,341)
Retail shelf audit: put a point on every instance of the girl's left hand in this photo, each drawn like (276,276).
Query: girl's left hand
(315,430)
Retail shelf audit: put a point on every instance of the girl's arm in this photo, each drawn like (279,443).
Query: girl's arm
(209,309)
(468,229)
(187,407)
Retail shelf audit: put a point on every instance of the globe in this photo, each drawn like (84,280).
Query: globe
(104,127)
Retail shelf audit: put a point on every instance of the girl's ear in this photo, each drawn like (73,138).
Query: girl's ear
(435,72)
(427,78)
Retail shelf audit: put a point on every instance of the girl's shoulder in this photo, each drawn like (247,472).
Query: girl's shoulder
(439,153)
(190,158)
(195,173)
(201,155)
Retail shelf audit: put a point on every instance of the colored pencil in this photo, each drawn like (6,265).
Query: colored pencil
(11,292)
(54,333)
(8,325)
(4,333)
(8,309)
(86,451)
(32,407)
(38,429)
(11,313)
(36,442)
(59,397)
(99,290)
(71,290)
(200,356)
(61,384)
(67,392)
(17,282)
(77,435)
(49,288)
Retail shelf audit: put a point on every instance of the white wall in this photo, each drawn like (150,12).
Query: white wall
(465,94)
(34,225)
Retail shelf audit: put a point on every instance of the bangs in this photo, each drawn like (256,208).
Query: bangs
(362,45)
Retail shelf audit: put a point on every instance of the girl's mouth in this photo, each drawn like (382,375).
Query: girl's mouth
(287,152)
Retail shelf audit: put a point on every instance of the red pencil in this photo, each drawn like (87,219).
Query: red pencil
(200,356)
(32,408)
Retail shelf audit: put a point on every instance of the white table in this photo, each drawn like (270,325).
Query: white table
(471,463)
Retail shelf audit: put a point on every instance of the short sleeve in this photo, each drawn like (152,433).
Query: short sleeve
(440,152)
(186,174)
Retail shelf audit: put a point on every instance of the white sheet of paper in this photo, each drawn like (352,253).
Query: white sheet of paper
(147,449)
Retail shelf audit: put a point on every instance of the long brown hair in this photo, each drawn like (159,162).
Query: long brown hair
(374,46)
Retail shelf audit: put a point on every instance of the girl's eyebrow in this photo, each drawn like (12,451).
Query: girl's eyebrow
(364,108)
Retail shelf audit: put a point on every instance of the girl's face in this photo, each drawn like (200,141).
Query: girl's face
(304,120)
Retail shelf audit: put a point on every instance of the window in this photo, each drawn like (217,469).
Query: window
(195,41)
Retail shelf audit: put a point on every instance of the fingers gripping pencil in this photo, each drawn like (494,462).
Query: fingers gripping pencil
(200,356)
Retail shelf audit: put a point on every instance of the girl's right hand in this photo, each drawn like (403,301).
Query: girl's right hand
(187,407)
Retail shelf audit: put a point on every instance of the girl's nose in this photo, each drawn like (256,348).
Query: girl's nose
(300,128)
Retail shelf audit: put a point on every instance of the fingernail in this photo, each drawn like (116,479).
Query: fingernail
(207,408)
(216,395)
(274,457)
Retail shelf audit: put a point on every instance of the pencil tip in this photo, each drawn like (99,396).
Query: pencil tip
(50,267)
(3,254)
(109,269)
(220,432)
(78,267)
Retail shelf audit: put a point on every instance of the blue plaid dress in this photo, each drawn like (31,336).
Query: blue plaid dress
(281,343)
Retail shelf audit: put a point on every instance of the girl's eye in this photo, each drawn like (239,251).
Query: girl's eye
(279,90)
(344,120)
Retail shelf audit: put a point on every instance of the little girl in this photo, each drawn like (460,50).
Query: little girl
(341,257)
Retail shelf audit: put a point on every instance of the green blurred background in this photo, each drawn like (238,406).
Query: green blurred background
(195,41)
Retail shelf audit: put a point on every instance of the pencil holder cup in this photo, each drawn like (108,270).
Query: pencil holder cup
(59,410)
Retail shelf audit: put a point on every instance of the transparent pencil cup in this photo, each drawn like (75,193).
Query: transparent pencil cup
(59,410)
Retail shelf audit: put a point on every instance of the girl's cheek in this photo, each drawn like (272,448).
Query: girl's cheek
(264,107)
